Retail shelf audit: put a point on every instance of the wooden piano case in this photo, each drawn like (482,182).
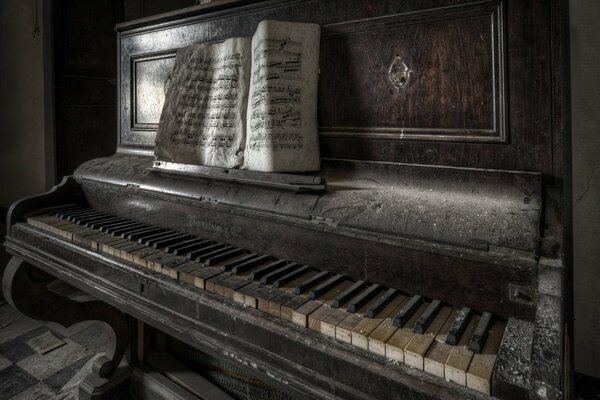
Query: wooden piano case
(441,134)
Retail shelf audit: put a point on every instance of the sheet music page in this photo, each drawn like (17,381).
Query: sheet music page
(282,106)
(203,120)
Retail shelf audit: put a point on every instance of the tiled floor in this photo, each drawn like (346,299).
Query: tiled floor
(45,361)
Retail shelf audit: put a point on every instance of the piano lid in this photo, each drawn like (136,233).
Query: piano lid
(483,210)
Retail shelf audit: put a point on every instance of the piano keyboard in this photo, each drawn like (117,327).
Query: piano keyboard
(459,345)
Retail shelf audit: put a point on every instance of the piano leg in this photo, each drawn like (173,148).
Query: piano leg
(26,289)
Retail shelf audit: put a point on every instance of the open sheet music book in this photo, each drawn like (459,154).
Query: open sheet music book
(246,102)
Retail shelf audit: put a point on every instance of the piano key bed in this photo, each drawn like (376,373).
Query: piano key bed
(459,345)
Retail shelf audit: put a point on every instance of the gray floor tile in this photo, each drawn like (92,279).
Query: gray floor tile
(44,343)
(18,328)
(4,362)
(44,365)
(59,379)
(18,349)
(95,338)
(37,392)
(14,381)
(8,315)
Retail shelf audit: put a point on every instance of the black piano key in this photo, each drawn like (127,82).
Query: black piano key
(84,220)
(215,252)
(171,240)
(326,286)
(232,264)
(458,326)
(161,236)
(428,315)
(182,243)
(66,208)
(191,246)
(481,333)
(266,269)
(278,273)
(363,298)
(347,294)
(96,223)
(152,236)
(248,265)
(407,311)
(127,229)
(106,224)
(236,251)
(311,282)
(124,233)
(138,233)
(110,229)
(124,229)
(120,223)
(86,214)
(196,254)
(380,303)
(291,276)
(65,214)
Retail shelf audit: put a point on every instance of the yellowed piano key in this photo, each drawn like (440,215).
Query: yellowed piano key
(110,247)
(314,318)
(300,315)
(435,360)
(479,375)
(460,356)
(284,303)
(99,239)
(83,237)
(287,308)
(361,333)
(127,252)
(53,224)
(140,257)
(186,271)
(66,230)
(117,247)
(169,266)
(394,346)
(330,322)
(40,221)
(415,351)
(343,330)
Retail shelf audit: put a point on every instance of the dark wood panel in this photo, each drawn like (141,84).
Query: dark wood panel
(451,76)
(149,79)
(458,59)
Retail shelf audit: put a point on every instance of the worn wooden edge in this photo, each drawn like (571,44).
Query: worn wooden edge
(292,359)
(512,375)
(147,383)
(175,17)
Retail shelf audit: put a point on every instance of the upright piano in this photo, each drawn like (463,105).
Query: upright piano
(425,260)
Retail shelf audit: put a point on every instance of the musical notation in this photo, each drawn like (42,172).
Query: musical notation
(275,101)
(208,100)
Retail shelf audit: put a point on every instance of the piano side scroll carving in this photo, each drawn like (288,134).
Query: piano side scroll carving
(27,289)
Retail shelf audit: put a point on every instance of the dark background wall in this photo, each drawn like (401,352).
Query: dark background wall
(85,75)
(585,115)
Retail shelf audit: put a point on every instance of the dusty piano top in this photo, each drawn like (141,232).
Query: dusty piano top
(489,212)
